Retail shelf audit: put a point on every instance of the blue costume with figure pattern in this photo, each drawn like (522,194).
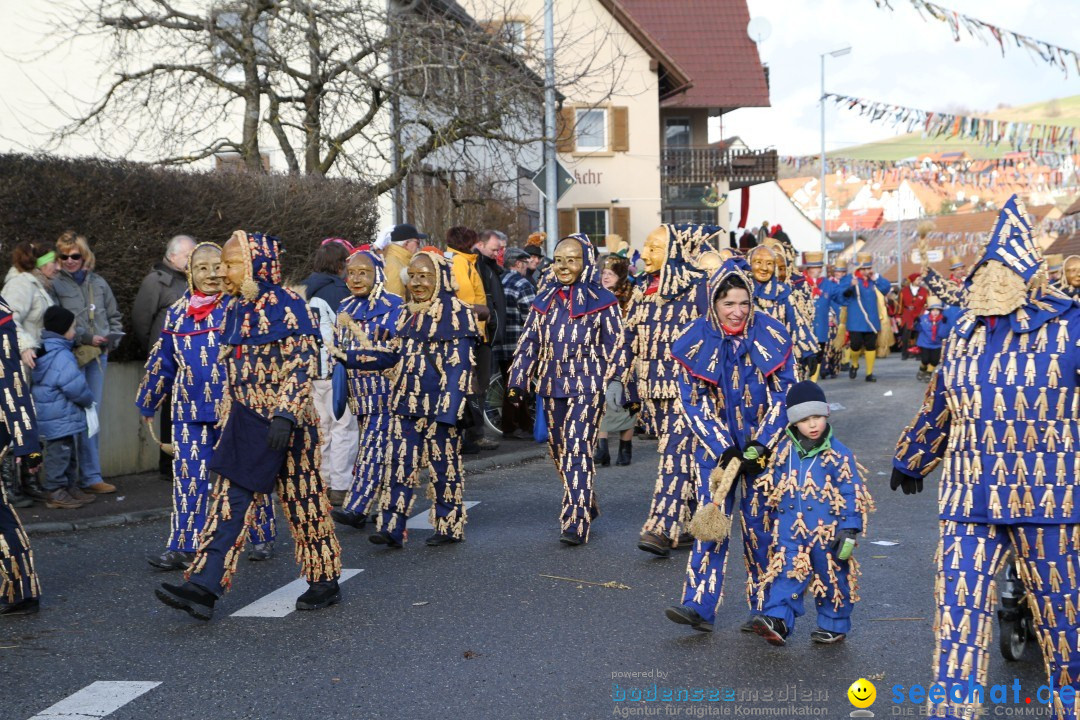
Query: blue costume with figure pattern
(18,430)
(732,388)
(185,362)
(572,345)
(270,351)
(1000,417)
(432,354)
(813,496)
(371,318)
(655,317)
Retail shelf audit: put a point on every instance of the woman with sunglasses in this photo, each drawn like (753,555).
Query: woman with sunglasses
(86,294)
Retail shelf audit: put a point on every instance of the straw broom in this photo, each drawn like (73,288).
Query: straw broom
(710,523)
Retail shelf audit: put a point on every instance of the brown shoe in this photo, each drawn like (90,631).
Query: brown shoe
(101,488)
(61,500)
(654,543)
(81,495)
(337,497)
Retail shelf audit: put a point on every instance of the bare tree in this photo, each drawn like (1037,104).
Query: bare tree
(355,87)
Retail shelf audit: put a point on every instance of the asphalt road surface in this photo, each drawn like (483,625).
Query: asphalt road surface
(476,630)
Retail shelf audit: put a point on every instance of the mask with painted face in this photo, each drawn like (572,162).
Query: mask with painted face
(569,261)
(205,270)
(360,274)
(422,278)
(762,264)
(654,253)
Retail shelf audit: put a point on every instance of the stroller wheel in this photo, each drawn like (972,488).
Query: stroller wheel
(1013,637)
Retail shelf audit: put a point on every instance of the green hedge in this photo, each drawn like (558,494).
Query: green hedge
(128,211)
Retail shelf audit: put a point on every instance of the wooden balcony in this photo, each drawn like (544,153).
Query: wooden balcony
(707,165)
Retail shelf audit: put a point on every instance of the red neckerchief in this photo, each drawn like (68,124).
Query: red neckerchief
(955,279)
(814,284)
(735,331)
(859,276)
(202,305)
(654,284)
(934,326)
(564,295)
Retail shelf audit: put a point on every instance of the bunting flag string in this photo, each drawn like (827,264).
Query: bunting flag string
(1046,171)
(1032,137)
(1054,55)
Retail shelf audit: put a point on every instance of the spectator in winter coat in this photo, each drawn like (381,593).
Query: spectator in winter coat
(27,290)
(912,302)
(86,294)
(324,290)
(61,396)
(163,286)
(470,290)
(519,294)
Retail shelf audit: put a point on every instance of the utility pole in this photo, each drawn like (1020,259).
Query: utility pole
(551,209)
(834,53)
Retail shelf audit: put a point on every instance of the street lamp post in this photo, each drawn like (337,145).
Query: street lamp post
(834,53)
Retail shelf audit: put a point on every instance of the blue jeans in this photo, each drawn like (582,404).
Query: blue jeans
(89,456)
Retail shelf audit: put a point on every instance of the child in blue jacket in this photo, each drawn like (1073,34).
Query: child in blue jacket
(820,505)
(933,329)
(61,396)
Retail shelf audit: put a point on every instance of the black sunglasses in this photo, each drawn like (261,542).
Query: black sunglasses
(72,256)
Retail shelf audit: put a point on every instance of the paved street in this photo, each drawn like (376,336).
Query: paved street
(475,630)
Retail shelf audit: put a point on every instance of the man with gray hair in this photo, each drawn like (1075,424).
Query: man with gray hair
(163,286)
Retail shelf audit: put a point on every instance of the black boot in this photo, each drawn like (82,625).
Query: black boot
(602,456)
(319,595)
(189,597)
(345,517)
(13,486)
(32,487)
(625,447)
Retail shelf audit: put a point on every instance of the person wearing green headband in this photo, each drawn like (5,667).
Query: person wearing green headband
(26,289)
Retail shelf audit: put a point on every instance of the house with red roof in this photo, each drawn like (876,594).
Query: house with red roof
(637,147)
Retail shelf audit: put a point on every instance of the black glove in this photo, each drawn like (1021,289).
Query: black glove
(515,397)
(633,407)
(755,458)
(732,453)
(838,543)
(31,462)
(280,433)
(911,485)
(849,293)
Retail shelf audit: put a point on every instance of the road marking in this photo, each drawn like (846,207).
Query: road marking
(96,700)
(420,522)
(282,601)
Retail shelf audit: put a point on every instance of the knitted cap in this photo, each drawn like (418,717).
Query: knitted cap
(804,399)
(59,320)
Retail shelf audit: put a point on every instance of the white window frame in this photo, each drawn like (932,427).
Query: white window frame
(578,112)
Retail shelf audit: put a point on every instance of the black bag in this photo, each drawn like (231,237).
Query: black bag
(242,456)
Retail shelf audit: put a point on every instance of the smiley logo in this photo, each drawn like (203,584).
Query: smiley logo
(862,693)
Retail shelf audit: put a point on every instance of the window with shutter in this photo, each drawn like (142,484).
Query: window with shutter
(591,129)
(594,223)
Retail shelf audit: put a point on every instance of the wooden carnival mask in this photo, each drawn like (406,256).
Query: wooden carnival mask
(762,263)
(569,261)
(654,254)
(360,275)
(422,278)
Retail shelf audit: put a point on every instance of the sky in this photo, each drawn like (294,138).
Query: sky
(896,57)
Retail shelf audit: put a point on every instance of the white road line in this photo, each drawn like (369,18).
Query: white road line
(282,601)
(420,522)
(96,700)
